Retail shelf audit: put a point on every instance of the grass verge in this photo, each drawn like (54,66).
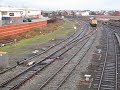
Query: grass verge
(20,47)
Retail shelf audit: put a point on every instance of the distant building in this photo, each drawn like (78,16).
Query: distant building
(106,13)
(33,13)
(47,13)
(85,13)
(77,13)
(116,13)
(66,12)
(9,16)
(71,12)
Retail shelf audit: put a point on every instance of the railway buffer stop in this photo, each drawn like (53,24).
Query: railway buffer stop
(4,63)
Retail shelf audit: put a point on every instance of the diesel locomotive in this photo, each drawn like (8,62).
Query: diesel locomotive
(93,22)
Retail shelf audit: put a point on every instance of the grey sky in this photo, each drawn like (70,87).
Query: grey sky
(65,4)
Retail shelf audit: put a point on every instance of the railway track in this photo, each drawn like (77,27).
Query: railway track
(65,51)
(117,41)
(107,73)
(23,77)
(57,79)
(114,28)
(66,41)
(118,62)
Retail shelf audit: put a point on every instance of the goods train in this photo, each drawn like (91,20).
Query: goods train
(93,22)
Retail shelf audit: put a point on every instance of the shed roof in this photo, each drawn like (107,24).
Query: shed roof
(9,9)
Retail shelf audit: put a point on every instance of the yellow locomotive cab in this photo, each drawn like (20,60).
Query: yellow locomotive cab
(94,22)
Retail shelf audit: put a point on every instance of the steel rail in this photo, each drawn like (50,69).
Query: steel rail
(106,61)
(65,79)
(49,79)
(8,81)
(18,85)
(41,53)
(103,69)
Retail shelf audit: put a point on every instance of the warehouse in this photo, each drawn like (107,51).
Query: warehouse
(33,13)
(11,16)
(85,13)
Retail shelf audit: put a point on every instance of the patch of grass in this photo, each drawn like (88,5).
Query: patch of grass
(19,48)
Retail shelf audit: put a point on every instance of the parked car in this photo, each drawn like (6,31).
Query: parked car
(27,20)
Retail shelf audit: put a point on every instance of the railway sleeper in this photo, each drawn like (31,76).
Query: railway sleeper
(110,64)
(110,68)
(109,80)
(103,85)
(107,88)
(98,75)
(107,76)
(110,61)
(108,84)
(99,69)
(97,79)
(99,72)
(101,66)
(109,72)
(112,77)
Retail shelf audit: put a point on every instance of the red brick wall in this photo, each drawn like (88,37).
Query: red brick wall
(20,28)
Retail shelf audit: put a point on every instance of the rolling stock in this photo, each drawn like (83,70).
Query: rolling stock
(93,22)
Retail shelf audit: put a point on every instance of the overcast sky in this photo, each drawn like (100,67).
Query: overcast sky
(65,4)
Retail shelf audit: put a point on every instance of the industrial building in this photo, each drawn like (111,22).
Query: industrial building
(85,13)
(10,16)
(28,12)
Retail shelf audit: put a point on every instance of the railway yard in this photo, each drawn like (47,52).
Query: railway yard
(75,56)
